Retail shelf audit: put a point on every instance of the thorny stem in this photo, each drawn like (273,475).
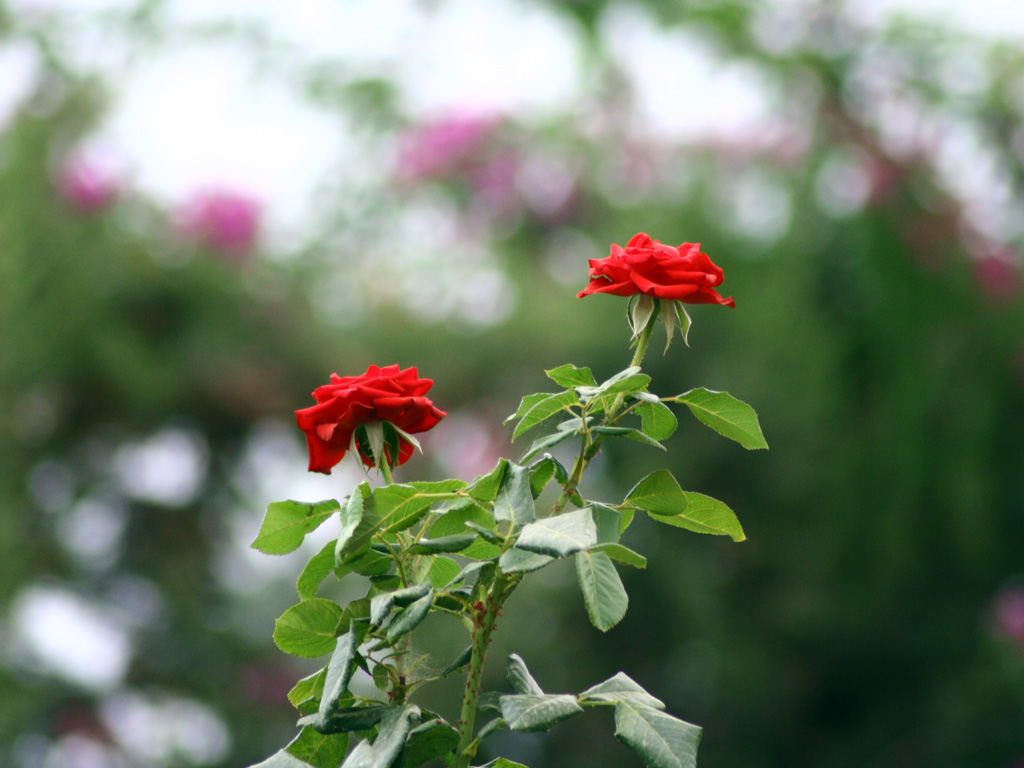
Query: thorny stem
(483,626)
(589,447)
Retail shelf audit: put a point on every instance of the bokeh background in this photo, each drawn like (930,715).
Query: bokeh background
(206,208)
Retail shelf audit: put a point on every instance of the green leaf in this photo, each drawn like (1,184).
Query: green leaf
(658,421)
(705,515)
(683,318)
(441,572)
(661,741)
(627,384)
(501,762)
(726,415)
(400,506)
(360,757)
(545,409)
(308,688)
(541,473)
(628,432)
(533,712)
(316,570)
(570,376)
(308,629)
(660,496)
(339,673)
(548,441)
(561,535)
(622,554)
(429,741)
(381,605)
(467,570)
(309,750)
(485,487)
(608,522)
(351,521)
(455,522)
(408,618)
(461,660)
(519,676)
(348,719)
(589,393)
(515,560)
(287,522)
(514,501)
(526,404)
(621,687)
(454,543)
(641,312)
(603,593)
(394,729)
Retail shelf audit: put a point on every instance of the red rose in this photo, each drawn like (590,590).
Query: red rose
(652,268)
(349,402)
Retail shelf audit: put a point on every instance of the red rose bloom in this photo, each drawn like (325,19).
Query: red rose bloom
(349,402)
(652,268)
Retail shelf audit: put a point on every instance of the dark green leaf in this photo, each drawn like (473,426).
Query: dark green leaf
(308,629)
(466,572)
(661,741)
(726,415)
(569,376)
(394,729)
(516,560)
(409,618)
(429,741)
(545,409)
(360,757)
(603,593)
(519,676)
(514,501)
(353,719)
(658,421)
(287,522)
(532,712)
(339,673)
(541,473)
(621,687)
(461,661)
(365,563)
(316,570)
(381,605)
(454,543)
(561,535)
(352,522)
(490,727)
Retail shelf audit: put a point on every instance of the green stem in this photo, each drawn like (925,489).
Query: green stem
(483,626)
(385,470)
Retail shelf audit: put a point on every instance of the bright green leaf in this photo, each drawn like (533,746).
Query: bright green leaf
(501,762)
(544,410)
(286,524)
(308,629)
(726,415)
(532,712)
(526,404)
(660,493)
(309,687)
(441,572)
(622,554)
(485,487)
(570,376)
(400,506)
(548,441)
(561,535)
(661,741)
(629,433)
(603,593)
(658,421)
(316,570)
(705,515)
(309,750)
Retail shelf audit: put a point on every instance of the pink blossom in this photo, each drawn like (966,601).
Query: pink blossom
(226,221)
(998,278)
(1009,613)
(442,147)
(87,185)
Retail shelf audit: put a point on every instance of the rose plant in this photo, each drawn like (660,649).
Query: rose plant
(461,548)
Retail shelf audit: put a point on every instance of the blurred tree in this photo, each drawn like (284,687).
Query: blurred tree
(869,229)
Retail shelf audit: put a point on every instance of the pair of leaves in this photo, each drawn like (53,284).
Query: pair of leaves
(660,496)
(660,740)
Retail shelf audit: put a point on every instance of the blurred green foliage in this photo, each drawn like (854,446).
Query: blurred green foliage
(880,338)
